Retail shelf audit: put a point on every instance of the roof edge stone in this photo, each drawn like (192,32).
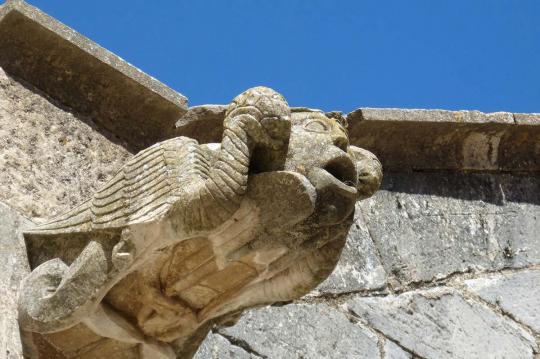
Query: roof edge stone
(94,49)
(83,76)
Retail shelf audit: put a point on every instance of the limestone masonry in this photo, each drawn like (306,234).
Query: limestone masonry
(443,261)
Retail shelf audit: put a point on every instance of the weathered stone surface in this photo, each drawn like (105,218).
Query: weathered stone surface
(216,346)
(429,225)
(51,159)
(440,323)
(448,140)
(82,75)
(517,294)
(515,222)
(527,118)
(393,351)
(437,116)
(304,331)
(203,123)
(359,267)
(13,267)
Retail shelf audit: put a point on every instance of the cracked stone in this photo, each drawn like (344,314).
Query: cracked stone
(359,267)
(394,351)
(304,331)
(518,294)
(441,323)
(429,225)
(216,346)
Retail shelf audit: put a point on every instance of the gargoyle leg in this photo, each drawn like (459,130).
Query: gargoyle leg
(55,296)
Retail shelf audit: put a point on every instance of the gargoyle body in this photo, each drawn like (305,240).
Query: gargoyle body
(187,236)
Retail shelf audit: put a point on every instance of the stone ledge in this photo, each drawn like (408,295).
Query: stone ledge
(420,139)
(86,77)
(204,123)
(448,140)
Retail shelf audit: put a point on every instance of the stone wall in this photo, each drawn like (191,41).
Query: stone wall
(51,157)
(437,265)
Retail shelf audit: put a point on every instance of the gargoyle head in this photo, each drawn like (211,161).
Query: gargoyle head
(341,174)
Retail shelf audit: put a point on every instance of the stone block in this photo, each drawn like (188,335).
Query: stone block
(429,116)
(517,294)
(427,226)
(203,123)
(303,331)
(359,267)
(394,351)
(448,140)
(440,323)
(527,118)
(216,346)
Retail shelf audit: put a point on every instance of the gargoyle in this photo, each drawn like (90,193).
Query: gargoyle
(187,236)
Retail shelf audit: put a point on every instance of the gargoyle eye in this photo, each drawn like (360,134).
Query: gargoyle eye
(316,126)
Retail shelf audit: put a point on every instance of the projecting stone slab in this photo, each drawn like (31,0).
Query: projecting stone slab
(359,267)
(428,225)
(422,139)
(13,267)
(440,323)
(448,140)
(84,76)
(51,158)
(436,116)
(304,331)
(516,293)
(203,123)
(527,118)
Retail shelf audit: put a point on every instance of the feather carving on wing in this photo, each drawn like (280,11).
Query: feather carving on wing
(143,190)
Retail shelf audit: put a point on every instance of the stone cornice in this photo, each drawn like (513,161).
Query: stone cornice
(407,139)
(85,77)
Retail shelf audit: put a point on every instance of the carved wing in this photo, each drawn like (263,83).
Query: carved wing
(142,190)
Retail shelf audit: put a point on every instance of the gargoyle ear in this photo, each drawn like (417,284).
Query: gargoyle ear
(368,171)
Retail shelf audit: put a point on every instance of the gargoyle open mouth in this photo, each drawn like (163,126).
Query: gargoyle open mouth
(335,184)
(343,171)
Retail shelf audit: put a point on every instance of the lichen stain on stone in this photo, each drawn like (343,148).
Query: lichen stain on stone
(480,150)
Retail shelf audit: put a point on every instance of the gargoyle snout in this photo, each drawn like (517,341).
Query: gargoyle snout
(369,172)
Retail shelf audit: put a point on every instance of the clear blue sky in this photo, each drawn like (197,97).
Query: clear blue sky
(333,55)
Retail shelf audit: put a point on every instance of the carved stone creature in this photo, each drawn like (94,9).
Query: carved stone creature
(187,236)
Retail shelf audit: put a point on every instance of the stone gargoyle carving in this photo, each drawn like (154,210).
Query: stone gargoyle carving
(187,236)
